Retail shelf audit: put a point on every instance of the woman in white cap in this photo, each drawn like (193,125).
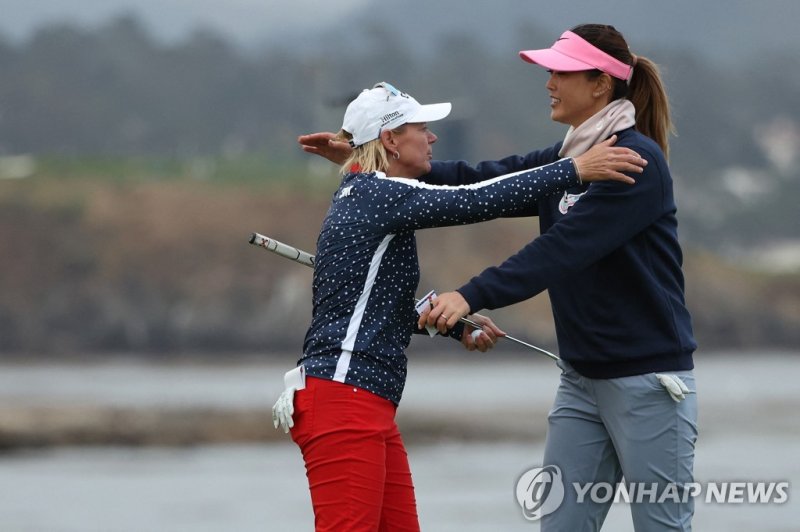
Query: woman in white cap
(610,259)
(340,401)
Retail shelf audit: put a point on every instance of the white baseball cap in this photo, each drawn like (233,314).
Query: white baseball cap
(384,107)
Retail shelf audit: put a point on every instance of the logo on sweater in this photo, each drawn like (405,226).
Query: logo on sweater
(568,201)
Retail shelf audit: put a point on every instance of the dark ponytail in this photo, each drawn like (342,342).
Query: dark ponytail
(646,90)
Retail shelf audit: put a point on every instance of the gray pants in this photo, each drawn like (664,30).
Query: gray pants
(601,430)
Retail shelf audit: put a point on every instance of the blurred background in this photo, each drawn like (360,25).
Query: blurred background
(143,341)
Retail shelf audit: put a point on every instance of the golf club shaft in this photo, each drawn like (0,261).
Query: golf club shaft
(515,340)
(307,259)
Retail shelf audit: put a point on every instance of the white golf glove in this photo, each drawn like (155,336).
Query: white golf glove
(283,408)
(674,385)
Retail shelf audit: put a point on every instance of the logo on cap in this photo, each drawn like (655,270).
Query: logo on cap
(385,119)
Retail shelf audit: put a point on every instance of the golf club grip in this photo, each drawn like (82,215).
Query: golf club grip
(284,250)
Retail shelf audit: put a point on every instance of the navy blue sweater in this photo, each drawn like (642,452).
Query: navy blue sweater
(608,254)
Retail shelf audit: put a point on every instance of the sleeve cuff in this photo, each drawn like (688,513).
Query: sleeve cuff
(472,297)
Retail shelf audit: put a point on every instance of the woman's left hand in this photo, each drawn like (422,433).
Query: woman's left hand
(604,161)
(481,339)
(445,312)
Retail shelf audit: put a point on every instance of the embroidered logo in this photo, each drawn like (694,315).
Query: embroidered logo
(345,192)
(568,201)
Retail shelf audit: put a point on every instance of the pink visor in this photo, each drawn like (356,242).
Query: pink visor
(571,53)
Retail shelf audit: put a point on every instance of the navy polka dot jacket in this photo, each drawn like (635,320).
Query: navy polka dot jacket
(366,270)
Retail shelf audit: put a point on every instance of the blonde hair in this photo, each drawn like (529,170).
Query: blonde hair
(369,157)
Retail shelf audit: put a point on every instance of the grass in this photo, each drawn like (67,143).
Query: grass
(248,170)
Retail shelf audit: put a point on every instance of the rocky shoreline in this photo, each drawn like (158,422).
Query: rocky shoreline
(472,399)
(42,426)
(72,425)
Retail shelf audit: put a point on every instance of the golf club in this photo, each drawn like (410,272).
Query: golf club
(307,259)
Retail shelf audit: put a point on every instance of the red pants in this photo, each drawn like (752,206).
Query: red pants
(356,462)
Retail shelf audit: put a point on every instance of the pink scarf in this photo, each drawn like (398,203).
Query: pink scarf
(616,116)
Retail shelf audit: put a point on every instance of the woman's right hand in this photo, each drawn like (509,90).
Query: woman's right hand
(324,145)
(605,162)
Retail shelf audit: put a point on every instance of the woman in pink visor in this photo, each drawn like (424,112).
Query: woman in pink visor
(625,410)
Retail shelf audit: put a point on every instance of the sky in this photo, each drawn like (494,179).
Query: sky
(248,21)
(725,29)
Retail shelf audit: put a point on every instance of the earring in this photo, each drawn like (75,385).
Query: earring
(396,155)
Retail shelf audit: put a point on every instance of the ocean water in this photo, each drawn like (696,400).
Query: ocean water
(749,431)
